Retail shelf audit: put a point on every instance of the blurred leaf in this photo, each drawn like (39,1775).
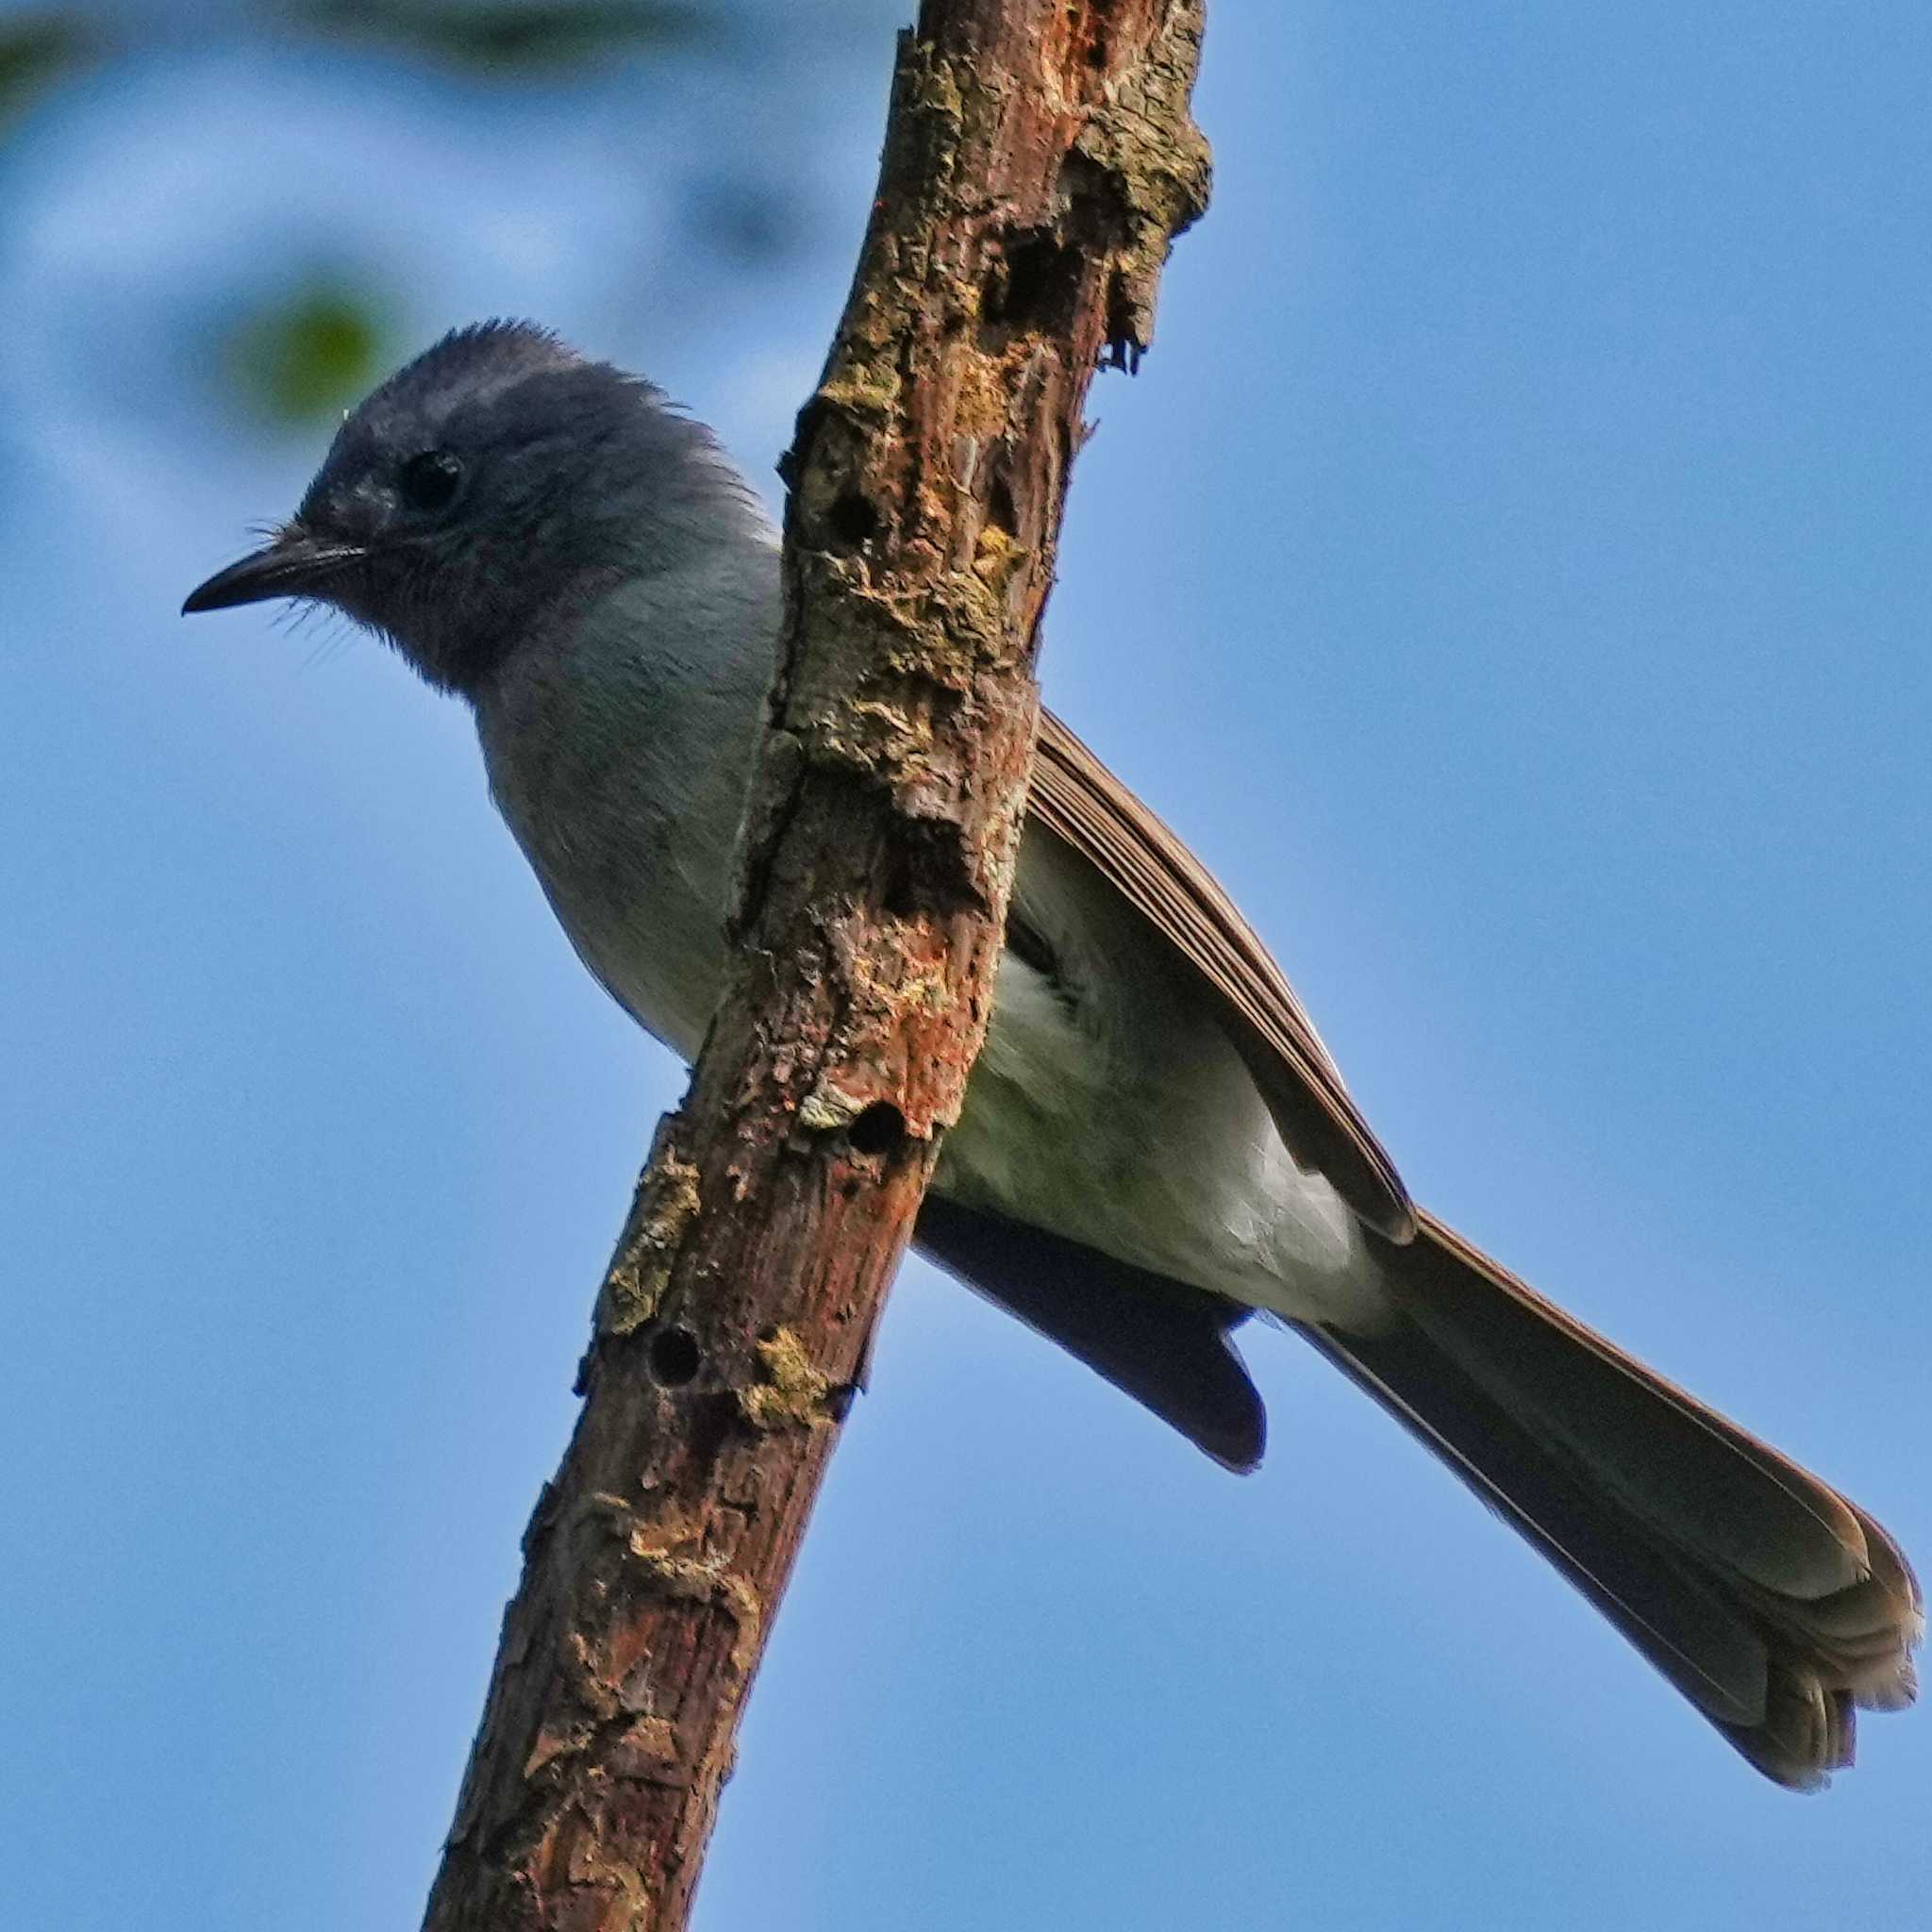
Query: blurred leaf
(34,53)
(515,35)
(747,223)
(309,355)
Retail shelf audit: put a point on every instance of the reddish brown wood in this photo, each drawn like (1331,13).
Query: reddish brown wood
(1039,157)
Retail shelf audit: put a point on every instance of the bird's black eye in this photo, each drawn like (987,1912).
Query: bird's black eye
(429,481)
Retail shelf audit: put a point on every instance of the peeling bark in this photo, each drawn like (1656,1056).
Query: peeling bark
(1038,160)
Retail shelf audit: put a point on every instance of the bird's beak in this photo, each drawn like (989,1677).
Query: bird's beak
(295,565)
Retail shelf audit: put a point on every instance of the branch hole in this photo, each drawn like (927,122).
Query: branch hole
(879,1130)
(675,1356)
(923,875)
(852,520)
(899,895)
(1037,285)
(1099,33)
(1001,510)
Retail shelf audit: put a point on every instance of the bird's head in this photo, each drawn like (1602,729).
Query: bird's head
(497,479)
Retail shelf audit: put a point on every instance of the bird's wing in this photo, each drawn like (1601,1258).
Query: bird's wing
(1162,1343)
(1077,800)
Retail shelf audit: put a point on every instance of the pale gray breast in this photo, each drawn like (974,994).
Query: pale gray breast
(618,750)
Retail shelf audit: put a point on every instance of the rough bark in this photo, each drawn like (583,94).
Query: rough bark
(1039,159)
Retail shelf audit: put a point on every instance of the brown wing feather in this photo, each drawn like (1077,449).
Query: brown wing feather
(1079,801)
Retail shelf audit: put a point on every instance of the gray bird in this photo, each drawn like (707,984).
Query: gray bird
(1155,1142)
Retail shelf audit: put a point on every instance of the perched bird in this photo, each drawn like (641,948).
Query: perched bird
(1155,1142)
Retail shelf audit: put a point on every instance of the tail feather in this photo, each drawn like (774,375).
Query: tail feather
(1773,1604)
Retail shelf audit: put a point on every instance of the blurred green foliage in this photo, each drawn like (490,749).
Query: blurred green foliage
(321,343)
(511,38)
(36,50)
(310,355)
(503,39)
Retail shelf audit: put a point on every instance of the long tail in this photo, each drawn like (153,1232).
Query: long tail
(1773,1604)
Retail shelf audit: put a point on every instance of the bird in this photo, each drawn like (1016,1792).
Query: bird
(1154,1144)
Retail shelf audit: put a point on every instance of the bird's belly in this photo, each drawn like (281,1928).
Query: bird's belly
(1152,1146)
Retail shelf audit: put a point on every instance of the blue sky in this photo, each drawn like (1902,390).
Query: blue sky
(1510,571)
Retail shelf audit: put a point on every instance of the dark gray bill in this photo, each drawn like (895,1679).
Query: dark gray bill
(292,566)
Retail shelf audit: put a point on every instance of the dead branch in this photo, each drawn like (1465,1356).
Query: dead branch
(1038,160)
